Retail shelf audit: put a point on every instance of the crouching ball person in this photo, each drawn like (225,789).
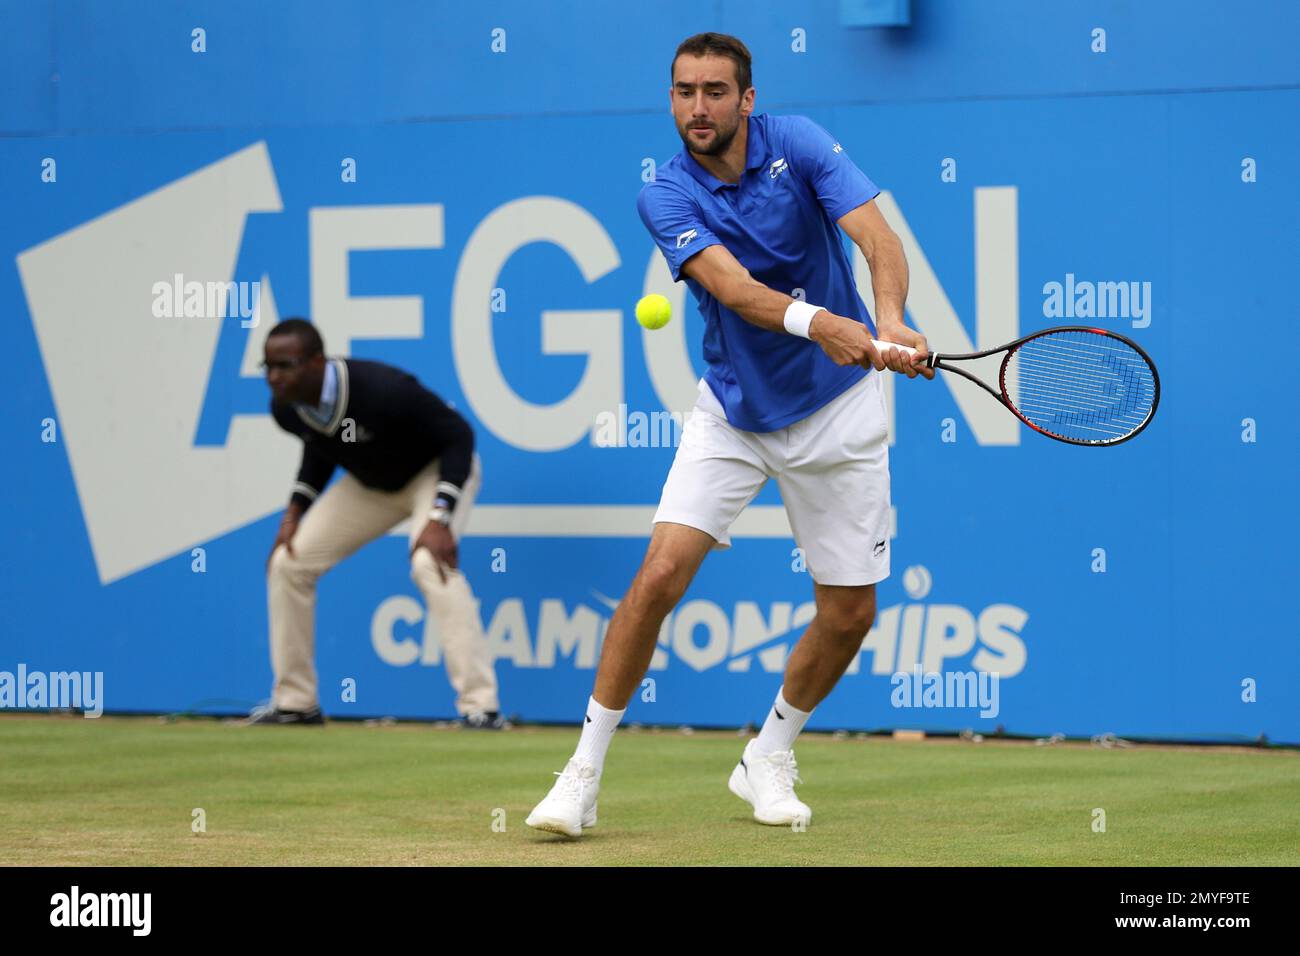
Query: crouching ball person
(405,454)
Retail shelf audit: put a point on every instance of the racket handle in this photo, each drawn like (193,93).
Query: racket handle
(907,350)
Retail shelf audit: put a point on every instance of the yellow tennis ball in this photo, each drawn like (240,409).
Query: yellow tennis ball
(654,311)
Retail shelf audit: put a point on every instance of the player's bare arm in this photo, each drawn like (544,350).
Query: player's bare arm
(883,251)
(731,284)
(845,340)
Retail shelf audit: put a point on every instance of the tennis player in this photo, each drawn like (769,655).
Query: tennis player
(747,214)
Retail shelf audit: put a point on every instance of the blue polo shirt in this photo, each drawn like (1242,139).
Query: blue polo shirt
(779,222)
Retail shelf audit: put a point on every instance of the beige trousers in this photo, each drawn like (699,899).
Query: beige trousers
(346,516)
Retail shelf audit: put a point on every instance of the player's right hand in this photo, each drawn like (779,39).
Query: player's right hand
(846,341)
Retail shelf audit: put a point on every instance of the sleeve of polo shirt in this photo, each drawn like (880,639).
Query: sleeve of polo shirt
(821,162)
(675,222)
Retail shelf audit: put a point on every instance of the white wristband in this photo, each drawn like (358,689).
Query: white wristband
(799,316)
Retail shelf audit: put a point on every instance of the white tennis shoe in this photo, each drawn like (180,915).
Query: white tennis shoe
(571,805)
(767,782)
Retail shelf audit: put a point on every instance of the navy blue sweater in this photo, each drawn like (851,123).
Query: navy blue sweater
(385,428)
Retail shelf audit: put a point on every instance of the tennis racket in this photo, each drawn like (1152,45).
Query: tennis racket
(1076,384)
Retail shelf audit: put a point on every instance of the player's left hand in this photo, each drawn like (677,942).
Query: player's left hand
(436,537)
(895,360)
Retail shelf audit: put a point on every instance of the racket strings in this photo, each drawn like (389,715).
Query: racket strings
(1080,385)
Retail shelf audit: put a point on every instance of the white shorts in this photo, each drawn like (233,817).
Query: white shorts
(832,468)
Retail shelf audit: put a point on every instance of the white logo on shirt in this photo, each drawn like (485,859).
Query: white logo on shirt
(778,168)
(837,148)
(686,237)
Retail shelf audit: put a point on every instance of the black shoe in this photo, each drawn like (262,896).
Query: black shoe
(271,715)
(484,720)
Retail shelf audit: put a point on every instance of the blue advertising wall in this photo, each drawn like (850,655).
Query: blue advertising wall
(489,243)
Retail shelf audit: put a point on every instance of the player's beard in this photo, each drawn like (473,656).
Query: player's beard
(721,138)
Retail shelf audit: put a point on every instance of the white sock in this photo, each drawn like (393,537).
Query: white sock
(782,726)
(597,731)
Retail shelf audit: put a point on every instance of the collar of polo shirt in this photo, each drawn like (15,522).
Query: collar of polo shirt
(755,153)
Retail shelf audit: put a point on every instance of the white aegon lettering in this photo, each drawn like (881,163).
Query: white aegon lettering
(595,333)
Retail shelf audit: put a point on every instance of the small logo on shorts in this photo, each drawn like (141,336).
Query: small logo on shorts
(879,549)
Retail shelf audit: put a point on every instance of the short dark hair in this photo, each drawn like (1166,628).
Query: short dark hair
(718,44)
(306,332)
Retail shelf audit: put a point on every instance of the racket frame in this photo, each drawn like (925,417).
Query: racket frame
(938,360)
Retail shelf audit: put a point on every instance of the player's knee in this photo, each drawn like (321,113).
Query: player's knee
(660,584)
(849,619)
